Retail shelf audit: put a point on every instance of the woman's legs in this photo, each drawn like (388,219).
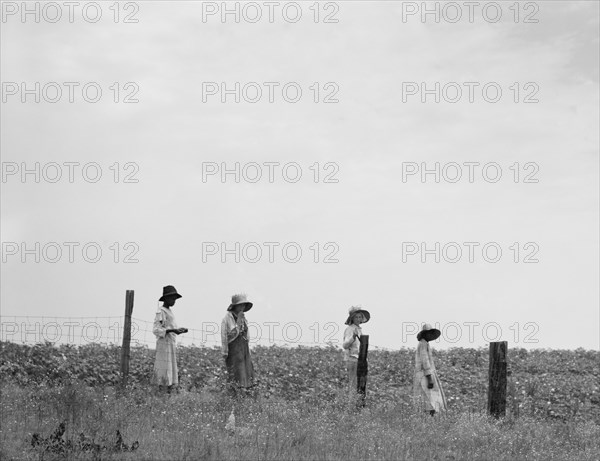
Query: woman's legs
(352,379)
(240,372)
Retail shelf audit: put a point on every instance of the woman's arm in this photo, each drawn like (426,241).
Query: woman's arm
(244,326)
(159,329)
(349,337)
(224,341)
(423,352)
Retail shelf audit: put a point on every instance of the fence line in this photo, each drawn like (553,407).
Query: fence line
(108,330)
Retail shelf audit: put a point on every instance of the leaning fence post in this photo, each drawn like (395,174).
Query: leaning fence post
(362,368)
(126,337)
(497,379)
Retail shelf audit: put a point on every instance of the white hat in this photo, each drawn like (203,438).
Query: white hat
(357,310)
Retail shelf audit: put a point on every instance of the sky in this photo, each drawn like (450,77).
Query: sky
(517,255)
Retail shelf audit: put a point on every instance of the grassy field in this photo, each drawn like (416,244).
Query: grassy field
(299,410)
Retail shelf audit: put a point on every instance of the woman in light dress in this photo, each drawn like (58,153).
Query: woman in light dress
(427,387)
(351,345)
(165,329)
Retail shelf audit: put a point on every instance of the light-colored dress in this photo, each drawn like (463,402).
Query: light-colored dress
(351,347)
(431,399)
(165,365)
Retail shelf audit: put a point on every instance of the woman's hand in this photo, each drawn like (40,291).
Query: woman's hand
(240,319)
(429,382)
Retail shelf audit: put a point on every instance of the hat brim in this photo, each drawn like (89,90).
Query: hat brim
(365,313)
(168,295)
(434,333)
(247,307)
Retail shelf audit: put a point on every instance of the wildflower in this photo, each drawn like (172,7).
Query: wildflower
(230,426)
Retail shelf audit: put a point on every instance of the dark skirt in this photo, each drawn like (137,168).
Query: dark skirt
(239,363)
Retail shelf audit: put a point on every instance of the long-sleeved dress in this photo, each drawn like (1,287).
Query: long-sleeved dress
(351,346)
(432,399)
(234,344)
(165,365)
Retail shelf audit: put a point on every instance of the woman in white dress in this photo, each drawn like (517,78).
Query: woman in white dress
(165,329)
(351,346)
(427,386)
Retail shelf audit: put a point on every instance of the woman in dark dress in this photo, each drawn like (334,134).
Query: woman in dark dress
(234,344)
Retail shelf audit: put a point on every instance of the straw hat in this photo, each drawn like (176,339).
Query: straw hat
(240,299)
(169,290)
(433,332)
(357,310)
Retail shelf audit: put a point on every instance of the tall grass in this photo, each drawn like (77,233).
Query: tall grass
(191,426)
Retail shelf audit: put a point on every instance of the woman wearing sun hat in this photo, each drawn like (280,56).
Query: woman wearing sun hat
(427,385)
(351,344)
(165,329)
(235,343)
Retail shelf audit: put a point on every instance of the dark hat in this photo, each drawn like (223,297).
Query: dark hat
(169,290)
(435,333)
(240,299)
(357,310)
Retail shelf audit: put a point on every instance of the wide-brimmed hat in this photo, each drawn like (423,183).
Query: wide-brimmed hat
(435,333)
(240,299)
(169,290)
(357,310)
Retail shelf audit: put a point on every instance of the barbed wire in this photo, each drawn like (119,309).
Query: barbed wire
(108,330)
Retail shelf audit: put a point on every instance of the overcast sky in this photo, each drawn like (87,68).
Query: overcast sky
(365,141)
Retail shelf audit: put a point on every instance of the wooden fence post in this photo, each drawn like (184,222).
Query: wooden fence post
(362,368)
(126,337)
(497,379)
